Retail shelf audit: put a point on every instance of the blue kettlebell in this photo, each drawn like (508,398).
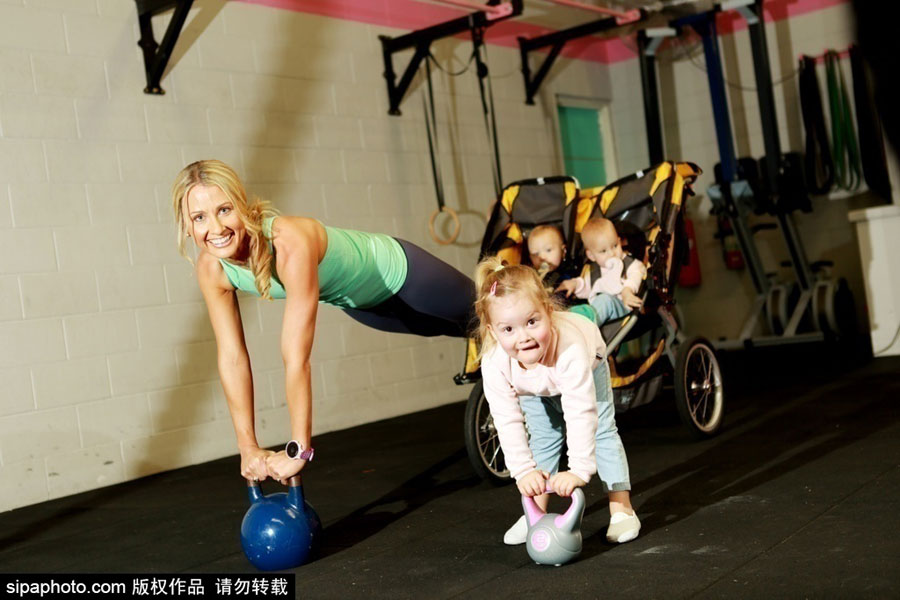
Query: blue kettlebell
(554,539)
(280,531)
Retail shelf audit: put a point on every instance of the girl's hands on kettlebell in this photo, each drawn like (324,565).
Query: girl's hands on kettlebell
(253,462)
(565,483)
(282,467)
(533,484)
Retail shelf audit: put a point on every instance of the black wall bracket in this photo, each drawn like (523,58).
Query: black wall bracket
(156,56)
(556,41)
(421,41)
(648,41)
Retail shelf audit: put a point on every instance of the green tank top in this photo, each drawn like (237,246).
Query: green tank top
(359,270)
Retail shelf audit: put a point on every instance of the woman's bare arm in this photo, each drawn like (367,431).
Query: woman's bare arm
(233,362)
(297,259)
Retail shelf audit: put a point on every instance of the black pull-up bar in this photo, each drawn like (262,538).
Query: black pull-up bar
(421,41)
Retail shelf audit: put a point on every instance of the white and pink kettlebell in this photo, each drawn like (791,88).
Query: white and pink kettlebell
(554,539)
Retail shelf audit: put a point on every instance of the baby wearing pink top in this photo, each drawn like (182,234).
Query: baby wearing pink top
(612,280)
(613,294)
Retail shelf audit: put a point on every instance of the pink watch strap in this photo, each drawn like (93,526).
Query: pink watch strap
(304,454)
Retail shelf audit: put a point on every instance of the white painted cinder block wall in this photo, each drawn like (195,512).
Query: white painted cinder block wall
(718,307)
(107,360)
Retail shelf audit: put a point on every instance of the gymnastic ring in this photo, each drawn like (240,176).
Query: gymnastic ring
(453,235)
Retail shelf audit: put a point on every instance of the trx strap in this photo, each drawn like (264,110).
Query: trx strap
(487,107)
(871,142)
(431,130)
(490,126)
(818,164)
(843,137)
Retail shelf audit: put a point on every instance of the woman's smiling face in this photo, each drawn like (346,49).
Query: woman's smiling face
(213,222)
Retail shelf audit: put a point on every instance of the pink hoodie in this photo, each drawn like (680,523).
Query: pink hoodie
(579,346)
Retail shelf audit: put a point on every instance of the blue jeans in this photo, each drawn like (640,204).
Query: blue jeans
(608,308)
(544,417)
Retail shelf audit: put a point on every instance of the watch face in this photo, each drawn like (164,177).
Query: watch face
(292,449)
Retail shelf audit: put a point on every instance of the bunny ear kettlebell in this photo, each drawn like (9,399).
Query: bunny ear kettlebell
(554,539)
(279,531)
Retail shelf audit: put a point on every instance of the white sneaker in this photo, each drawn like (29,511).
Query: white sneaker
(516,534)
(623,527)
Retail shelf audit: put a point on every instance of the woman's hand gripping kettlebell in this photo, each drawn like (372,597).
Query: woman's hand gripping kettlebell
(282,467)
(253,462)
(290,461)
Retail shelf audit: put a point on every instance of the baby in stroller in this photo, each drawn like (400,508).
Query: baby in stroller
(612,282)
(547,251)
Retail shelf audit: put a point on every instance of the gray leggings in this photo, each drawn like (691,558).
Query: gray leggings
(435,299)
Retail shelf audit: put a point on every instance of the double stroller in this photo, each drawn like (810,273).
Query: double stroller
(648,212)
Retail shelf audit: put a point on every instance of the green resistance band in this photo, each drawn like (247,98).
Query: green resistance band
(845,148)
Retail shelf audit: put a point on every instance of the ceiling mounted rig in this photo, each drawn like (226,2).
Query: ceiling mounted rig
(485,16)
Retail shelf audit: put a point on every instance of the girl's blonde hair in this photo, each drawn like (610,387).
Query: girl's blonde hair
(494,279)
(251,214)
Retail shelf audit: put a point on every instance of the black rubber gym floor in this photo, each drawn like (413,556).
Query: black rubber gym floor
(798,497)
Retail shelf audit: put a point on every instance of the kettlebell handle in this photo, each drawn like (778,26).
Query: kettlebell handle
(569,520)
(294,481)
(549,490)
(295,490)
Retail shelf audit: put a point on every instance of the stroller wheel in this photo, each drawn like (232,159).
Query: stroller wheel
(482,442)
(699,393)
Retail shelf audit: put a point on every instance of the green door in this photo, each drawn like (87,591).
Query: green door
(582,145)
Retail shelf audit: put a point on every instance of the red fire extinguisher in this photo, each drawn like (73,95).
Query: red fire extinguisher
(690,271)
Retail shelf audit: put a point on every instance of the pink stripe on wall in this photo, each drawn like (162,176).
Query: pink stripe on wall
(617,49)
(411,15)
(775,10)
(399,14)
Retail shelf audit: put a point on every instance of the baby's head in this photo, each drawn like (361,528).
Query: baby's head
(514,310)
(601,242)
(546,245)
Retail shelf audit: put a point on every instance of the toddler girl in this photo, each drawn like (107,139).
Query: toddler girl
(551,364)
